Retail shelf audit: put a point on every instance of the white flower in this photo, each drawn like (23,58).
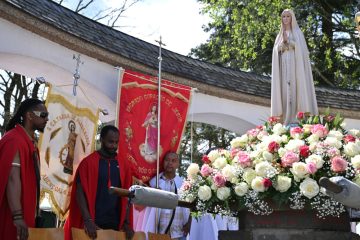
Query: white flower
(336,134)
(204,193)
(239,141)
(279,129)
(282,152)
(284,139)
(189,198)
(355,161)
(352,148)
(254,154)
(228,172)
(264,169)
(193,170)
(220,163)
(333,141)
(309,188)
(241,189)
(282,183)
(307,128)
(213,155)
(223,193)
(314,138)
(267,156)
(354,132)
(357,180)
(225,153)
(261,135)
(299,170)
(294,145)
(248,175)
(257,184)
(317,159)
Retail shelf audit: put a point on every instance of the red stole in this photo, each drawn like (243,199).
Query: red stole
(89,171)
(17,140)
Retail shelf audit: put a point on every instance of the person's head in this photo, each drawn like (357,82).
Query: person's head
(153,108)
(288,19)
(109,137)
(31,114)
(171,162)
(72,126)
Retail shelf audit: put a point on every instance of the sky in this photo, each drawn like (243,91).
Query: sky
(178,22)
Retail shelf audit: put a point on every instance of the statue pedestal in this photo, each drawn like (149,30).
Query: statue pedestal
(290,225)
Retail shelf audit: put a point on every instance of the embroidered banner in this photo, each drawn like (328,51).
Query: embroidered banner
(137,120)
(69,136)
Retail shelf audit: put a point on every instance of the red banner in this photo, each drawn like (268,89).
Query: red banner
(138,120)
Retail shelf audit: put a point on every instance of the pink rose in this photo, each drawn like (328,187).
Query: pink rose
(273,147)
(253,132)
(332,152)
(267,182)
(304,151)
(296,130)
(273,120)
(338,164)
(233,152)
(186,185)
(219,180)
(319,130)
(206,159)
(311,167)
(244,159)
(206,170)
(289,158)
(349,138)
(260,127)
(300,115)
(329,118)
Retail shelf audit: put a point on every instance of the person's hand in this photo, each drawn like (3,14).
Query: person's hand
(90,228)
(22,231)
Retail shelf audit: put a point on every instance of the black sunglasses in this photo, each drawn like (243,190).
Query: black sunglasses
(41,114)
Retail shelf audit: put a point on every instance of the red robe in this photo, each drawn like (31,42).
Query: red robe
(17,140)
(89,171)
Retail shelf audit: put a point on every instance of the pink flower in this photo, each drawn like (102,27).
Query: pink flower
(304,151)
(289,158)
(206,159)
(338,164)
(267,182)
(260,127)
(206,170)
(233,152)
(300,115)
(349,138)
(319,130)
(244,159)
(253,132)
(296,130)
(332,152)
(273,147)
(219,180)
(329,118)
(311,167)
(186,185)
(273,120)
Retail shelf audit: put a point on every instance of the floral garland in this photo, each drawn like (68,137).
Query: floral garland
(276,165)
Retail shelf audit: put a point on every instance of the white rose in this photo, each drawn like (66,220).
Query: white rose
(239,141)
(351,149)
(282,152)
(307,128)
(282,183)
(225,153)
(309,188)
(333,142)
(189,198)
(223,193)
(354,132)
(313,146)
(317,159)
(204,193)
(261,135)
(299,170)
(213,155)
(343,124)
(241,189)
(220,163)
(257,184)
(314,138)
(193,170)
(228,172)
(254,154)
(357,180)
(248,175)
(336,134)
(284,139)
(264,169)
(279,129)
(355,161)
(267,156)
(294,144)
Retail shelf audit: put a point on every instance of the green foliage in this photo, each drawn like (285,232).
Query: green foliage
(243,33)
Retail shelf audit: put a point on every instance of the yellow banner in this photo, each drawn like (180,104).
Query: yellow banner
(69,136)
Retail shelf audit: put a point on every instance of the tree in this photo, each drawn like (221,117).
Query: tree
(243,33)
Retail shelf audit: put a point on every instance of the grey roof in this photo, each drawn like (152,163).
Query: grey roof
(140,51)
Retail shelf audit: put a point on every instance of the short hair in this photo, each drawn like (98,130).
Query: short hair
(170,153)
(25,106)
(104,131)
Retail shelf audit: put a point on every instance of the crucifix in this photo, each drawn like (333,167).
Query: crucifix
(77,72)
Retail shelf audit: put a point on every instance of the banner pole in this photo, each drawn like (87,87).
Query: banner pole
(119,79)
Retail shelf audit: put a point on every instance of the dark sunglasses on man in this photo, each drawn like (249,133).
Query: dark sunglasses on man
(41,114)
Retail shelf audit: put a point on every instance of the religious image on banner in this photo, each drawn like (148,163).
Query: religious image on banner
(138,120)
(69,136)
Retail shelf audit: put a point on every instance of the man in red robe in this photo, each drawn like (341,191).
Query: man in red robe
(19,170)
(91,205)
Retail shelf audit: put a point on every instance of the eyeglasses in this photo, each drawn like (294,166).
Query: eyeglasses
(41,114)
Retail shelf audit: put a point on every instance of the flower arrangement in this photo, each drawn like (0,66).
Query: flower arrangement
(274,166)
